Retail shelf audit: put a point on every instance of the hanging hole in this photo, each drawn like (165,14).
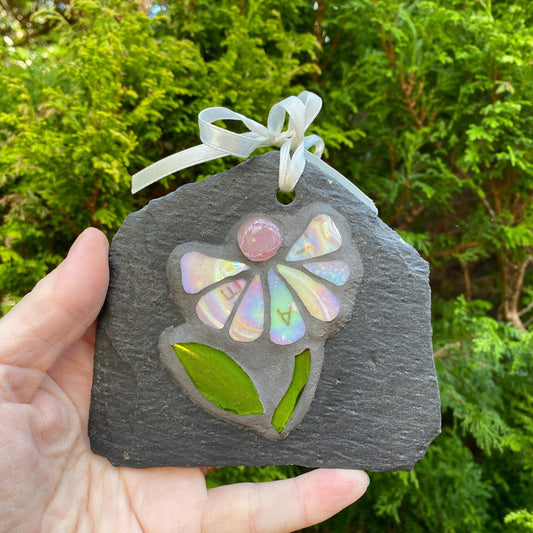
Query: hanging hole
(285,198)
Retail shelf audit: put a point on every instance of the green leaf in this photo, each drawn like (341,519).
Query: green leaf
(284,411)
(220,379)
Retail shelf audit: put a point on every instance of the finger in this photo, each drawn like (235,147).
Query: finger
(59,309)
(282,506)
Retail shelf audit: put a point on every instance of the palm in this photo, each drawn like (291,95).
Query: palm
(50,480)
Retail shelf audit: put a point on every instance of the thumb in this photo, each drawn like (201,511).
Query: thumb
(283,506)
(57,312)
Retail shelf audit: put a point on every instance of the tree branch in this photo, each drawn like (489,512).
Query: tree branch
(466,280)
(526,309)
(445,351)
(456,249)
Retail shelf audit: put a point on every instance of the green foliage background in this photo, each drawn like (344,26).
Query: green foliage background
(427,107)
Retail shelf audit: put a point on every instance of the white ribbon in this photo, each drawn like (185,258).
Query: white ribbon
(294,145)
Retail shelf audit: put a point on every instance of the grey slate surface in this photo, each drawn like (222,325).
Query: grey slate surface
(376,405)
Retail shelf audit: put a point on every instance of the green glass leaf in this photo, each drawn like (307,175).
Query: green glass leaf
(219,378)
(284,410)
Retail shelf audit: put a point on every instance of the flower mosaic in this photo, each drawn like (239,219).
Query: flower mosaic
(260,239)
(258,310)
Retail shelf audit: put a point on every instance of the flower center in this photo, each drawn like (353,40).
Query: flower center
(259,238)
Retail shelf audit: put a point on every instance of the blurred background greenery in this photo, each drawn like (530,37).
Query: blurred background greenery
(427,108)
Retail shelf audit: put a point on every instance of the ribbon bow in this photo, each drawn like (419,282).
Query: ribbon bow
(293,143)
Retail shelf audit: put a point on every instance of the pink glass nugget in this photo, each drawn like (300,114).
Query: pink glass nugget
(259,238)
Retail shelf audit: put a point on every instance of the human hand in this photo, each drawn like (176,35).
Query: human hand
(50,481)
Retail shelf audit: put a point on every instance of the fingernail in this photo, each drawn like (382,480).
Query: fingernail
(357,477)
(79,243)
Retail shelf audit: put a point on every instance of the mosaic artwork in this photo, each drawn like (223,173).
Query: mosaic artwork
(279,292)
(259,239)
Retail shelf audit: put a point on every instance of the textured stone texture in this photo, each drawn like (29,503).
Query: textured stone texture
(376,405)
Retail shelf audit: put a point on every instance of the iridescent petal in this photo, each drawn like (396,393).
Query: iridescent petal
(199,271)
(318,299)
(336,272)
(286,323)
(320,238)
(215,307)
(249,319)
